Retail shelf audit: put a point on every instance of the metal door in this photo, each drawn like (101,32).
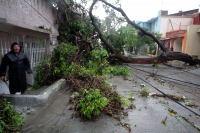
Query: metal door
(33,47)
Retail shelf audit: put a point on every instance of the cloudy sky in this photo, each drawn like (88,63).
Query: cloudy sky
(144,10)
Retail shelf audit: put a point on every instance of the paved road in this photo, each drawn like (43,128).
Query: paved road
(145,118)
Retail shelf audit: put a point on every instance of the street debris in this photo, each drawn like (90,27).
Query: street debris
(156,94)
(180,118)
(177,98)
(172,112)
(164,121)
(117,117)
(53,126)
(145,92)
(131,98)
(142,85)
(127,127)
(125,78)
(132,106)
(161,81)
(192,105)
(164,102)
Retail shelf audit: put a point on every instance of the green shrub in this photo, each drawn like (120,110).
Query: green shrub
(10,120)
(92,103)
(117,71)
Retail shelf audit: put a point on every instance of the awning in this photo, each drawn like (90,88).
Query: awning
(176,34)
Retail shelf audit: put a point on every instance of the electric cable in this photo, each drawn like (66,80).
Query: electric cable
(169,97)
(174,80)
(180,84)
(181,70)
(167,77)
(180,25)
(172,84)
(178,69)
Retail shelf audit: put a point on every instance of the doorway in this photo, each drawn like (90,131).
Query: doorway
(178,45)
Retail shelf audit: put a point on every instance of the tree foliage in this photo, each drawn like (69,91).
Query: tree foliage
(10,120)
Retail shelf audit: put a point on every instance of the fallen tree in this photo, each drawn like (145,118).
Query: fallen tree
(80,59)
(75,9)
(167,55)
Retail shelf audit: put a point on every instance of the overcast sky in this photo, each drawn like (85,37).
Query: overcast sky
(144,10)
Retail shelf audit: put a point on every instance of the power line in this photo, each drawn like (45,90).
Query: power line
(167,77)
(181,71)
(181,25)
(179,84)
(169,96)
(170,83)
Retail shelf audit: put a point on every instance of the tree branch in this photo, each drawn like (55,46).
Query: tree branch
(167,55)
(98,30)
(136,26)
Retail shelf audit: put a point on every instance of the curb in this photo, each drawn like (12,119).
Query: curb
(42,100)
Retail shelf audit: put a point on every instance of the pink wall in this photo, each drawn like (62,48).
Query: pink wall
(166,25)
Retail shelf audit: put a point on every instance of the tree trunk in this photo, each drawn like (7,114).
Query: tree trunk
(167,55)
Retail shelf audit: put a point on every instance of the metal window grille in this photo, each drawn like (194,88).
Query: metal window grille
(33,47)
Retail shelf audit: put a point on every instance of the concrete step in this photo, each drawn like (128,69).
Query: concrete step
(43,99)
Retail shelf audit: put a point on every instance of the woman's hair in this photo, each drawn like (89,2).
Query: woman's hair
(13,44)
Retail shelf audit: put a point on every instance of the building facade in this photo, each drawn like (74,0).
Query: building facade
(180,31)
(31,23)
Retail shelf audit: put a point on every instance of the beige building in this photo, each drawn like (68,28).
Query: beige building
(181,33)
(193,41)
(185,41)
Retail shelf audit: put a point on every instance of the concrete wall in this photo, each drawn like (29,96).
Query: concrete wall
(29,14)
(193,41)
(165,25)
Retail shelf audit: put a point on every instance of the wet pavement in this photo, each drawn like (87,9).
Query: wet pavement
(145,118)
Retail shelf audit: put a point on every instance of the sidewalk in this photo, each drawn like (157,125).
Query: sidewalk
(145,118)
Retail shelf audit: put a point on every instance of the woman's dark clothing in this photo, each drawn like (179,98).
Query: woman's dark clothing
(18,66)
